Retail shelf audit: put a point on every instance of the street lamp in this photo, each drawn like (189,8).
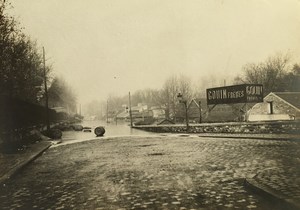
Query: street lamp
(181,100)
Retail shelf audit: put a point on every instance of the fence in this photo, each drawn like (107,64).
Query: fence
(17,117)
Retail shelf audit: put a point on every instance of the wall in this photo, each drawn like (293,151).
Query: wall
(281,110)
(287,127)
(18,118)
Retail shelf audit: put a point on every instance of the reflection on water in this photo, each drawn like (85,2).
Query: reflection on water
(111,129)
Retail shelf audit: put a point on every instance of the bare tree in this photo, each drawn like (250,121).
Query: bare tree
(170,90)
(185,87)
(147,96)
(168,96)
(269,73)
(291,81)
(21,66)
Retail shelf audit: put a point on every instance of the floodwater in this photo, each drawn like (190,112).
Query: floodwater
(112,129)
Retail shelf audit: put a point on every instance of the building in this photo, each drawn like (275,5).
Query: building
(218,113)
(277,106)
(158,112)
(227,112)
(60,109)
(194,110)
(138,113)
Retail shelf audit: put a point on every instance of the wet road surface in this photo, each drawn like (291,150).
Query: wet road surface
(166,172)
(112,129)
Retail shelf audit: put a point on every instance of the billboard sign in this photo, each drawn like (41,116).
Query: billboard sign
(245,93)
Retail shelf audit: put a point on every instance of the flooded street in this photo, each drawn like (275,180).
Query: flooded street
(112,129)
(149,105)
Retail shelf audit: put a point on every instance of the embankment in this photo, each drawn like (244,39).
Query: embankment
(278,127)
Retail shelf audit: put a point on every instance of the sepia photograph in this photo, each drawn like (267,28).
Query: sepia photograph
(149,104)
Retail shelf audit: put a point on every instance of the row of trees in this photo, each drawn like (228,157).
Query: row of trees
(62,95)
(165,97)
(277,74)
(22,67)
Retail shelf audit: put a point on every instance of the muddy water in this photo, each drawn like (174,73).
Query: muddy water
(111,130)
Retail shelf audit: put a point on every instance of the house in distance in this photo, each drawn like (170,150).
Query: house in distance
(277,106)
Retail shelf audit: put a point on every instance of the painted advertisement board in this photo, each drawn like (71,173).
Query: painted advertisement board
(245,93)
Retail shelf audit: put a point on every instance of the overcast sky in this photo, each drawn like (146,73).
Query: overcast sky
(104,46)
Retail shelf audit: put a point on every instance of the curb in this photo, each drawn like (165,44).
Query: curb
(248,137)
(268,193)
(12,172)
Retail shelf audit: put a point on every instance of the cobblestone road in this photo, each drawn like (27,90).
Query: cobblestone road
(151,173)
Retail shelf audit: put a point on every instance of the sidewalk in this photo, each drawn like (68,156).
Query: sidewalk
(251,136)
(281,187)
(10,164)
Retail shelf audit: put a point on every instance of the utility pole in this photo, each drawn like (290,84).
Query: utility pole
(246,112)
(130,113)
(107,111)
(200,112)
(46,92)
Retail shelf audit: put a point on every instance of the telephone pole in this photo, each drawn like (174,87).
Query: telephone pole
(46,92)
(107,121)
(130,113)
(200,112)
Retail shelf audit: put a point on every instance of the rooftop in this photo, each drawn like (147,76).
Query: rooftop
(291,97)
